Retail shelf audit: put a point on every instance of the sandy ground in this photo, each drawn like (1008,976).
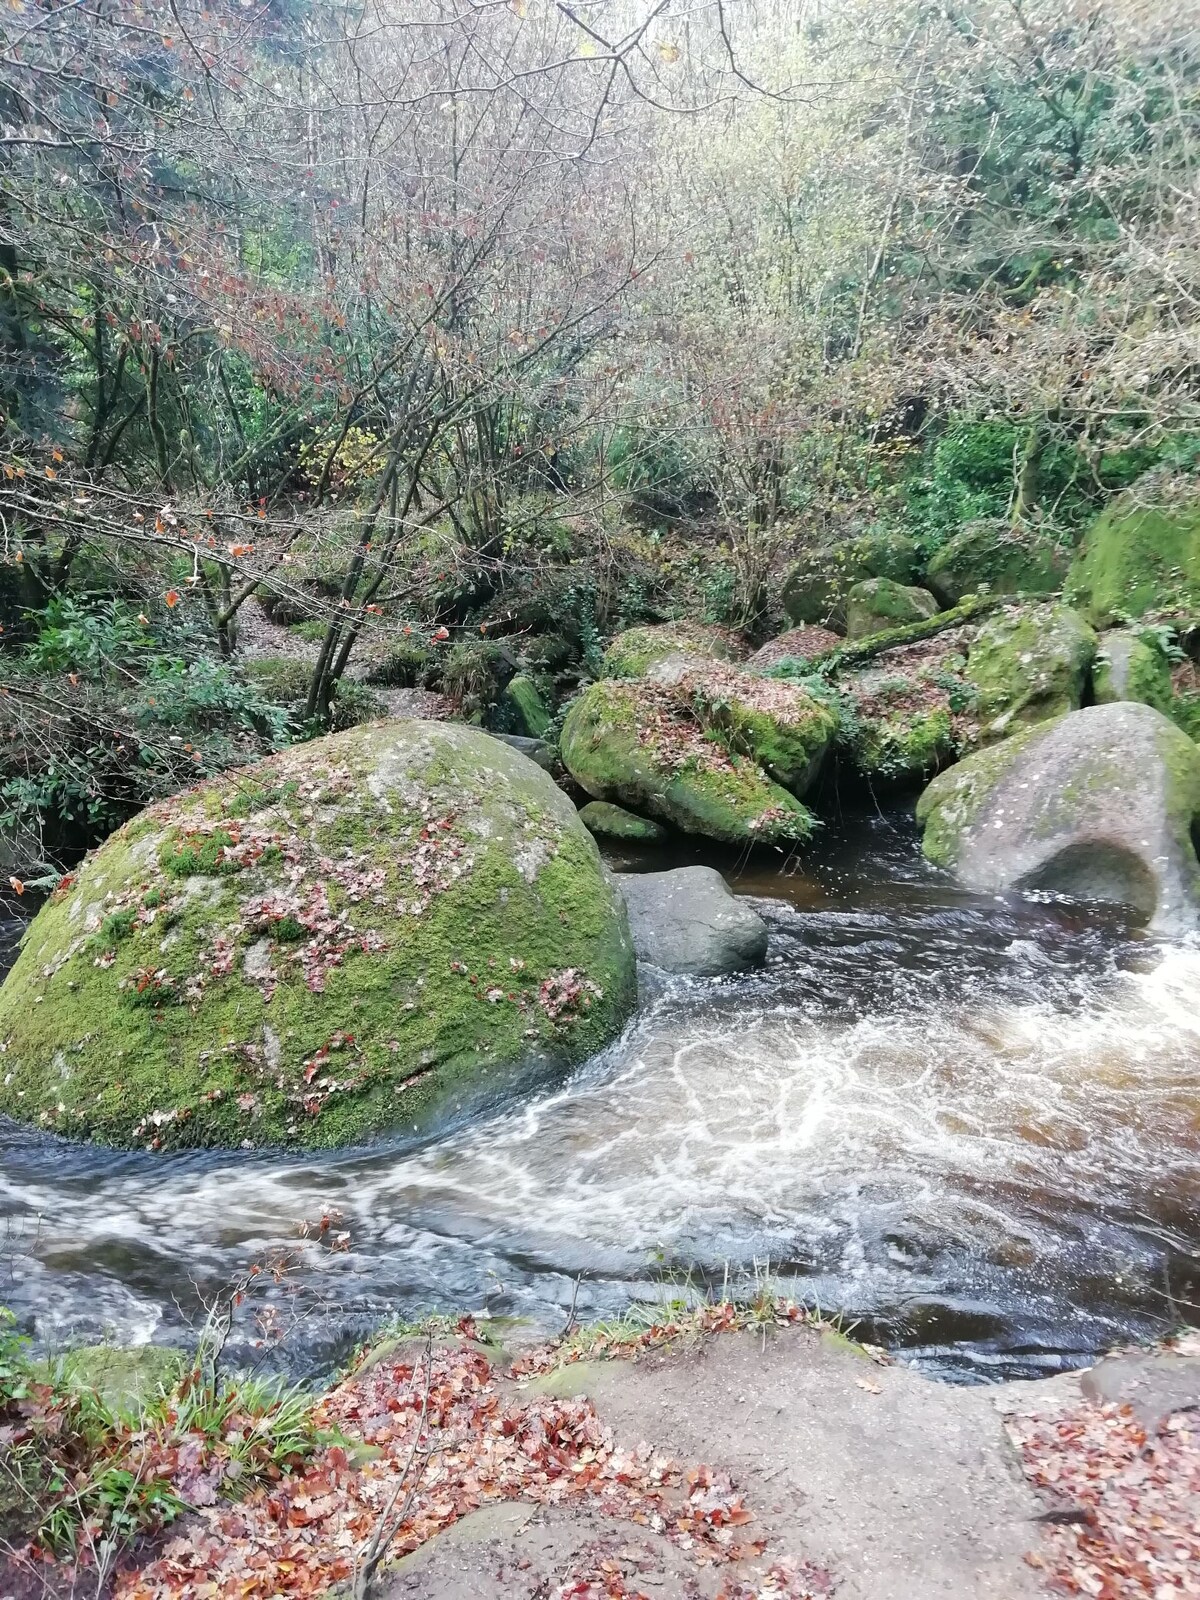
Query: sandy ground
(878,1483)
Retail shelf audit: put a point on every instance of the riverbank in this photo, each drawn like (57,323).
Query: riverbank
(740,1452)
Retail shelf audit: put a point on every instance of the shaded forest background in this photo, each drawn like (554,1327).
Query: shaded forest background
(444,339)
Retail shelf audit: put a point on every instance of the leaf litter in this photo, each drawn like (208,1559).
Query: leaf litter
(475,1444)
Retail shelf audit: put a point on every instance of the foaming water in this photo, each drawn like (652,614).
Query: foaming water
(973,1123)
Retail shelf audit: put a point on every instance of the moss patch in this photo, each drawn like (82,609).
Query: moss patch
(991,558)
(410,917)
(880,603)
(644,745)
(950,804)
(607,821)
(1141,557)
(632,653)
(1029,664)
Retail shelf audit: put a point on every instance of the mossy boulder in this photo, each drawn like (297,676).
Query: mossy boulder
(876,604)
(816,586)
(642,745)
(994,558)
(1131,665)
(1100,804)
(797,644)
(527,706)
(1027,664)
(907,712)
(632,653)
(606,821)
(1141,557)
(774,722)
(376,930)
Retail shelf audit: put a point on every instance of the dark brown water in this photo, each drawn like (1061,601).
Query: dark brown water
(974,1123)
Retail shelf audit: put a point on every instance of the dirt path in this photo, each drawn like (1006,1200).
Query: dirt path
(867,1481)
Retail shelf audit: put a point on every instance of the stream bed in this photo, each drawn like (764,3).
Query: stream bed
(971,1124)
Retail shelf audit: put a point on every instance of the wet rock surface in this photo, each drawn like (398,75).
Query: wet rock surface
(689,921)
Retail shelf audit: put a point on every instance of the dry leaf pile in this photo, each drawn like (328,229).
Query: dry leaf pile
(1132,1497)
(444,1421)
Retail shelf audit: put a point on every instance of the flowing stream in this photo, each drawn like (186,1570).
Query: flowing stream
(972,1123)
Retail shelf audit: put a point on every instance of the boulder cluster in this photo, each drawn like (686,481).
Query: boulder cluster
(386,929)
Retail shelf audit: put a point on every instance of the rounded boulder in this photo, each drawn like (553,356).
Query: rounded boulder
(377,930)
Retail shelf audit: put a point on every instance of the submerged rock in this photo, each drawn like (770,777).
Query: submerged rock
(1027,664)
(607,821)
(991,557)
(877,604)
(1099,805)
(690,921)
(377,929)
(1142,555)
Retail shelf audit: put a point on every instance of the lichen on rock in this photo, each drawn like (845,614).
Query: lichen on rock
(375,930)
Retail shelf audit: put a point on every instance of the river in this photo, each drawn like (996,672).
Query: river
(971,1124)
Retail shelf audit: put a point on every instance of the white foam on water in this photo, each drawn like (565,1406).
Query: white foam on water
(874,1148)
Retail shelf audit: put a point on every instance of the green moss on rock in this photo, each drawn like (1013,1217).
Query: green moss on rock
(632,653)
(993,558)
(1141,556)
(607,821)
(878,604)
(374,930)
(816,586)
(528,705)
(950,804)
(1029,664)
(1132,666)
(641,746)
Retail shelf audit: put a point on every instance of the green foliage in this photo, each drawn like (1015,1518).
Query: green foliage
(91,1465)
(93,638)
(205,695)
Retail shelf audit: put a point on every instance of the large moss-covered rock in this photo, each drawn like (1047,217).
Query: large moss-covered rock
(643,745)
(1141,557)
(878,604)
(774,722)
(632,653)
(1100,804)
(373,930)
(817,584)
(993,557)
(1132,666)
(1029,663)
(907,711)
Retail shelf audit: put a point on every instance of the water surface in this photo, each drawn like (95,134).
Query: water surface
(974,1123)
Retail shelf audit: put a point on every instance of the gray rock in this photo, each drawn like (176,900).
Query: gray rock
(1100,804)
(536,749)
(689,920)
(1130,666)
